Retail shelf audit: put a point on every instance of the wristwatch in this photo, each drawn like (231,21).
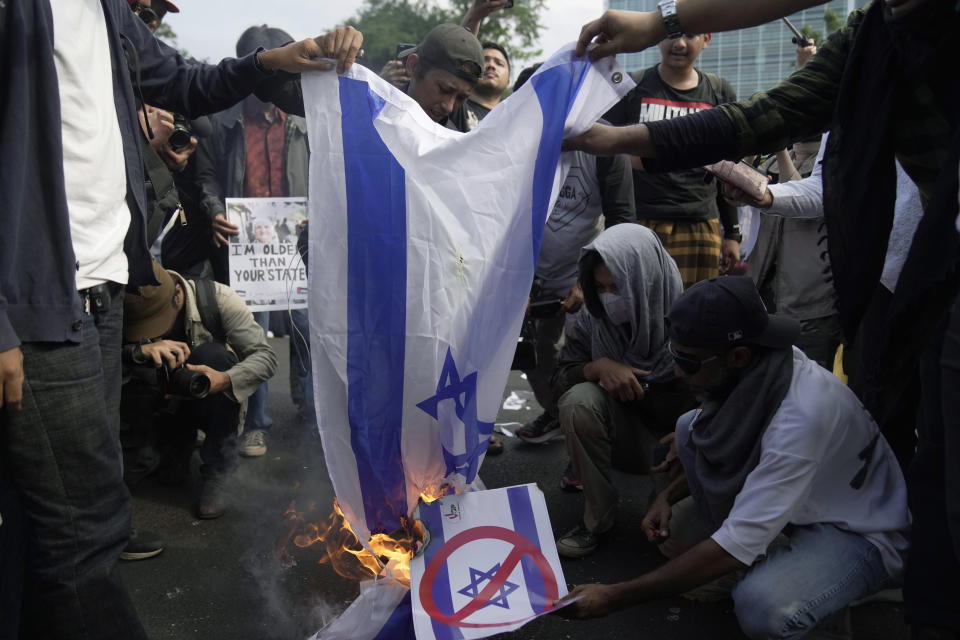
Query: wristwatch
(668,11)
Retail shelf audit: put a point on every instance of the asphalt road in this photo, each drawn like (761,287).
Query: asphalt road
(227,578)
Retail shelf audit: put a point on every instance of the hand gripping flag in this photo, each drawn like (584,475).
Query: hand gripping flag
(424,242)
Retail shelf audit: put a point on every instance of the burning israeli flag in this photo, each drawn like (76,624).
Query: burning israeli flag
(424,242)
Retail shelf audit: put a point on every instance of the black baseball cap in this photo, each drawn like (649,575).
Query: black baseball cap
(452,48)
(726,310)
(261,36)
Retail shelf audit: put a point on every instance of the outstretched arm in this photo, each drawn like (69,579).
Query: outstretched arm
(626,31)
(479,10)
(699,565)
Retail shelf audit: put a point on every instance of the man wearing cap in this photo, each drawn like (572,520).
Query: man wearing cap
(165,326)
(488,92)
(443,69)
(778,445)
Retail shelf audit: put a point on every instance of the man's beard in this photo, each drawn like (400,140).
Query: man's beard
(487,88)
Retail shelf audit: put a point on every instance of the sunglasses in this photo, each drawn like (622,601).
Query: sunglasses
(147,14)
(688,364)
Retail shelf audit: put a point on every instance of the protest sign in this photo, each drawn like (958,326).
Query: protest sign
(490,565)
(265,268)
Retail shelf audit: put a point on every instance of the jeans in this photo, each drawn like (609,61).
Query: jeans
(300,365)
(257,418)
(63,454)
(814,572)
(799,585)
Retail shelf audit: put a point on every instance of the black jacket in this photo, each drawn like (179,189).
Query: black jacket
(38,297)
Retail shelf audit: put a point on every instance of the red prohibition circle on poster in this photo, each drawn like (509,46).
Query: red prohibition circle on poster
(522,547)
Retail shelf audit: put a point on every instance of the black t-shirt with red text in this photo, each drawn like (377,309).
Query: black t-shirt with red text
(678,194)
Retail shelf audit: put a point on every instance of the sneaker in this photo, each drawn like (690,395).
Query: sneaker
(579,542)
(569,481)
(142,545)
(213,499)
(543,429)
(253,444)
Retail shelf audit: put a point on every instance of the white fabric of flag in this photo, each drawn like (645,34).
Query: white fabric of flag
(423,243)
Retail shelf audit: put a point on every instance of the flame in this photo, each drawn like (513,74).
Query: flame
(391,553)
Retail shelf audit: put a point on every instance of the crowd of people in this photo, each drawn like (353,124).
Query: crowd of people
(793,405)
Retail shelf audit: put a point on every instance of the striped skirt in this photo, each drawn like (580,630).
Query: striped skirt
(694,245)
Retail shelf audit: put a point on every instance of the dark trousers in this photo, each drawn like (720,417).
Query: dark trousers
(932,581)
(177,419)
(63,454)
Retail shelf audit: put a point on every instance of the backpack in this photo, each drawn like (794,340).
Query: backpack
(209,310)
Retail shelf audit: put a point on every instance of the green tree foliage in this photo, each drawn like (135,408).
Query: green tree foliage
(832,20)
(387,23)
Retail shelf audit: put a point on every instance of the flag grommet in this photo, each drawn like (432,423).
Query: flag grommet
(617,77)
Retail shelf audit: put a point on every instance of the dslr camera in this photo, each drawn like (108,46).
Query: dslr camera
(184,129)
(180,382)
(182,132)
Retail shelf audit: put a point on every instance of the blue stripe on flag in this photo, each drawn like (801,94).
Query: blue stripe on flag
(525,524)
(399,626)
(556,89)
(376,306)
(442,596)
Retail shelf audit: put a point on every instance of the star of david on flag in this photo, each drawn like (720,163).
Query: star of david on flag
(428,241)
(478,578)
(471,432)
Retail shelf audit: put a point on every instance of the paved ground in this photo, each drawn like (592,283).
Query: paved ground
(226,578)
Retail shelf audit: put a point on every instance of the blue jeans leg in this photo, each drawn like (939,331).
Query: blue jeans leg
(798,586)
(301,366)
(257,419)
(64,457)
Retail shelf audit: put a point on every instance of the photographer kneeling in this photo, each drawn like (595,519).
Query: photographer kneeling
(194,354)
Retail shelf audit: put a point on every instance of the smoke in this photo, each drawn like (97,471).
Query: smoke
(299,593)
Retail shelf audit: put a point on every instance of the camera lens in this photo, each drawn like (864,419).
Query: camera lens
(179,139)
(199,386)
(187,383)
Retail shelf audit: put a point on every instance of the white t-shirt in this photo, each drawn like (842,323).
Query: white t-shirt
(93,163)
(810,454)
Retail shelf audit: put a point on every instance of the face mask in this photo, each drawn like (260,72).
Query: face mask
(617,308)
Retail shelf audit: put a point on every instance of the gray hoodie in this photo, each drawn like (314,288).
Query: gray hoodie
(646,275)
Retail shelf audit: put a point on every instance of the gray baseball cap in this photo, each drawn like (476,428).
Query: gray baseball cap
(452,48)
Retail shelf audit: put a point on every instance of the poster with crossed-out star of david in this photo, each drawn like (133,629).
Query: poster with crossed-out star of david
(490,565)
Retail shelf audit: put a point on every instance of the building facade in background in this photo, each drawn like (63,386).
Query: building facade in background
(751,59)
